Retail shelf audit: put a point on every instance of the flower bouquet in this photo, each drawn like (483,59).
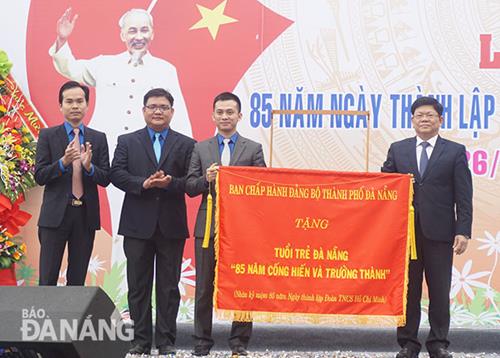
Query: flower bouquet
(10,250)
(17,159)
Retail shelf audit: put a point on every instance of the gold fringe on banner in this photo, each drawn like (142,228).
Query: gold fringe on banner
(216,221)
(412,247)
(411,225)
(208,221)
(216,241)
(313,318)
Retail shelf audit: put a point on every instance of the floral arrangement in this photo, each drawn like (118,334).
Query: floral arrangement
(17,146)
(17,157)
(10,251)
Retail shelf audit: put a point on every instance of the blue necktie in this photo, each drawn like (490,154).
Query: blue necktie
(157,146)
(424,159)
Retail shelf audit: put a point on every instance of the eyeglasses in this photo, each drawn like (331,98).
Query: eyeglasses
(154,107)
(420,116)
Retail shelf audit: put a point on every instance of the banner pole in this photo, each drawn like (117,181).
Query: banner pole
(271,140)
(367,158)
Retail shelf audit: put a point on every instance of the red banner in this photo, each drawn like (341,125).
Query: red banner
(295,245)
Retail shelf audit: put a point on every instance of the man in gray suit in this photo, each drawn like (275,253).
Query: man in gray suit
(228,147)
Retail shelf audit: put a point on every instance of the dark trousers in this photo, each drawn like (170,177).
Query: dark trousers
(141,255)
(203,306)
(435,259)
(74,231)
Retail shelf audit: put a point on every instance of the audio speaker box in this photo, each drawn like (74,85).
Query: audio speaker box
(62,322)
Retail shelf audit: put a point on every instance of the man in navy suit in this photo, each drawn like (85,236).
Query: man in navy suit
(150,165)
(71,161)
(443,221)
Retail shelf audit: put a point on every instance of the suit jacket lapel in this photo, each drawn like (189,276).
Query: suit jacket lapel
(412,157)
(87,136)
(214,150)
(436,153)
(238,149)
(147,144)
(63,138)
(172,137)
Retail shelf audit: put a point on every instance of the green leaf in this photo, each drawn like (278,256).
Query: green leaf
(5,64)
(477,306)
(5,262)
(26,273)
(112,282)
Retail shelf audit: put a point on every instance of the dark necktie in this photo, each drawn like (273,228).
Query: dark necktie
(424,159)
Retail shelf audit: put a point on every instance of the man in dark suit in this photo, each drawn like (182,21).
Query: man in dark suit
(71,160)
(443,221)
(228,147)
(150,166)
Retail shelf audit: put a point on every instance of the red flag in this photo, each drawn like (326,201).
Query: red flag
(206,65)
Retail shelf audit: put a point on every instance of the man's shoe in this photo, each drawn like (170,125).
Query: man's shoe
(239,351)
(137,351)
(166,350)
(407,353)
(200,351)
(440,353)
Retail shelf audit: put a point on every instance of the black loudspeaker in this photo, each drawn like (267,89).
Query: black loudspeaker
(62,322)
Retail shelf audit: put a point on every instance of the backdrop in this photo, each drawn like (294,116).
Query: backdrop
(372,55)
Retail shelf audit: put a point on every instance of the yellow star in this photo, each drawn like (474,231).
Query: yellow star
(212,19)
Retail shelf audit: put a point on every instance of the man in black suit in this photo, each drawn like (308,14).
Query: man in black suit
(443,221)
(150,165)
(71,160)
(228,147)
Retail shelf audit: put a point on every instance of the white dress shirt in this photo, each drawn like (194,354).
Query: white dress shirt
(430,147)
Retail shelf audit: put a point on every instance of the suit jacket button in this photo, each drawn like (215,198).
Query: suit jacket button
(157,198)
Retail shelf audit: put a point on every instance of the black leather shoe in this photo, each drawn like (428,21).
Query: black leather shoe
(440,353)
(166,350)
(200,351)
(407,353)
(239,351)
(138,349)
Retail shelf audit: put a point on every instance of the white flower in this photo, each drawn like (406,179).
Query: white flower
(424,317)
(125,316)
(490,294)
(466,280)
(186,274)
(62,278)
(485,318)
(491,243)
(460,315)
(95,265)
(186,311)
